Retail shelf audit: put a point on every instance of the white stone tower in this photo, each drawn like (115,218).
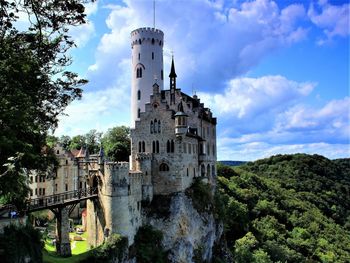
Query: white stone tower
(147,67)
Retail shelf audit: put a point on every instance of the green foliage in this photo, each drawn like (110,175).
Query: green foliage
(288,208)
(201,196)
(34,87)
(116,143)
(114,248)
(21,242)
(148,247)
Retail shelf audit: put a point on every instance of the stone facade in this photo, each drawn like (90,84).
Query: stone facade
(173,140)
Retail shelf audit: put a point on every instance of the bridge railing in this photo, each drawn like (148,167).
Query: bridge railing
(51,200)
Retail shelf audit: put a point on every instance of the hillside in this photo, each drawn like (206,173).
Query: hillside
(287,208)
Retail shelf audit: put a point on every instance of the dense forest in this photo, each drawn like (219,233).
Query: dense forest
(287,208)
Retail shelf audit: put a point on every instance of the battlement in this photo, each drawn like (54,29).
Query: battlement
(146,34)
(143,156)
(117,166)
(146,30)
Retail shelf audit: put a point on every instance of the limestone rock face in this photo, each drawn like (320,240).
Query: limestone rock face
(187,234)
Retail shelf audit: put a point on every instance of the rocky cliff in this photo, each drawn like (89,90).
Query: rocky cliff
(189,230)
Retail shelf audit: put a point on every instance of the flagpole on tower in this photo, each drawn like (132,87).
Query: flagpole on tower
(154,14)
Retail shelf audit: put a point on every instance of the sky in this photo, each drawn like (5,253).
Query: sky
(274,73)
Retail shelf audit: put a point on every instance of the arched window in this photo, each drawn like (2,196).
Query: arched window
(139,147)
(153,147)
(163,167)
(158,126)
(168,146)
(138,113)
(143,146)
(151,127)
(140,72)
(155,126)
(172,146)
(139,94)
(157,146)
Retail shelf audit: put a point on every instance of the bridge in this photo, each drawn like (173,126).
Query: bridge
(62,205)
(61,200)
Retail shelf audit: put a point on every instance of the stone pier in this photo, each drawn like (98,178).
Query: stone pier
(62,232)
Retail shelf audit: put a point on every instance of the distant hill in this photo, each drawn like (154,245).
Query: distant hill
(232,163)
(287,208)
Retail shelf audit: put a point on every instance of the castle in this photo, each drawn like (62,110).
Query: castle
(173,140)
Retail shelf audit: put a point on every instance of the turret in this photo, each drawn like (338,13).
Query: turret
(180,121)
(147,64)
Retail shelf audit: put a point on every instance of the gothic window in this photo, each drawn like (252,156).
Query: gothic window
(168,146)
(138,113)
(163,167)
(172,146)
(151,127)
(157,146)
(152,55)
(158,126)
(143,146)
(139,94)
(140,72)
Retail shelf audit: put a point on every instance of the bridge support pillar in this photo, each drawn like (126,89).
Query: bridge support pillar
(62,229)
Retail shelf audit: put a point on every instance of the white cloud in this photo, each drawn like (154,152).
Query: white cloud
(248,97)
(82,34)
(334,20)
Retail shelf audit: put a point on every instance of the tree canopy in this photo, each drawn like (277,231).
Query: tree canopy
(288,208)
(34,86)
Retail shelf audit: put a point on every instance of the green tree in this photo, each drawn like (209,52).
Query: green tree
(64,141)
(116,143)
(93,140)
(77,142)
(34,87)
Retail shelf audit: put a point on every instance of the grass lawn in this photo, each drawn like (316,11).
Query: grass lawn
(80,250)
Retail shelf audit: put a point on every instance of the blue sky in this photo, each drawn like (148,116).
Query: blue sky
(275,73)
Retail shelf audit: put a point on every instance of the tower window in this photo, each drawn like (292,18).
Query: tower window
(153,147)
(140,41)
(138,113)
(157,146)
(139,73)
(160,43)
(161,74)
(151,127)
(152,41)
(158,126)
(152,55)
(139,94)
(143,146)
(139,147)
(139,56)
(163,167)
